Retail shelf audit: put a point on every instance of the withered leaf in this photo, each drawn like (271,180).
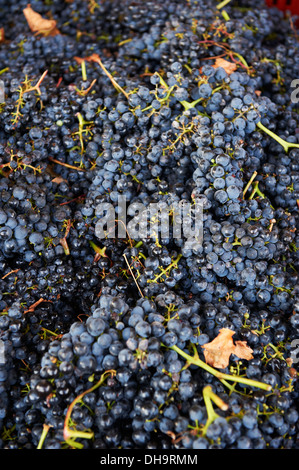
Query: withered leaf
(38,24)
(289,360)
(59,180)
(217,353)
(90,58)
(242,350)
(2,35)
(229,67)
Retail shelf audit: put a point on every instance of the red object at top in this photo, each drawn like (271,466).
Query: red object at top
(291,5)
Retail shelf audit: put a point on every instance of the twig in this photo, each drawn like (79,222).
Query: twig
(37,86)
(63,241)
(133,275)
(272,222)
(11,272)
(65,164)
(249,183)
(85,92)
(96,58)
(78,199)
(33,306)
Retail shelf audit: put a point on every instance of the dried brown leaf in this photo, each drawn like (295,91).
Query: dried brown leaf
(243,351)
(79,60)
(2,35)
(38,24)
(229,67)
(289,360)
(58,180)
(90,58)
(217,352)
(293,372)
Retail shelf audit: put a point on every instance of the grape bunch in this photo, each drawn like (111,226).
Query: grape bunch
(103,339)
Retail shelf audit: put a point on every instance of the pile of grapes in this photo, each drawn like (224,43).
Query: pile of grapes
(105,341)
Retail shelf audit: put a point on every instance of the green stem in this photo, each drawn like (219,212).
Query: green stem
(222,4)
(188,68)
(241,58)
(80,131)
(162,81)
(4,70)
(249,183)
(190,105)
(80,434)
(83,68)
(229,386)
(257,191)
(43,436)
(69,434)
(98,250)
(51,332)
(218,88)
(169,91)
(225,15)
(217,400)
(212,415)
(209,396)
(164,271)
(286,145)
(219,375)
(138,244)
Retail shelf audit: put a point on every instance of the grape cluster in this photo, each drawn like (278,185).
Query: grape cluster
(152,103)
